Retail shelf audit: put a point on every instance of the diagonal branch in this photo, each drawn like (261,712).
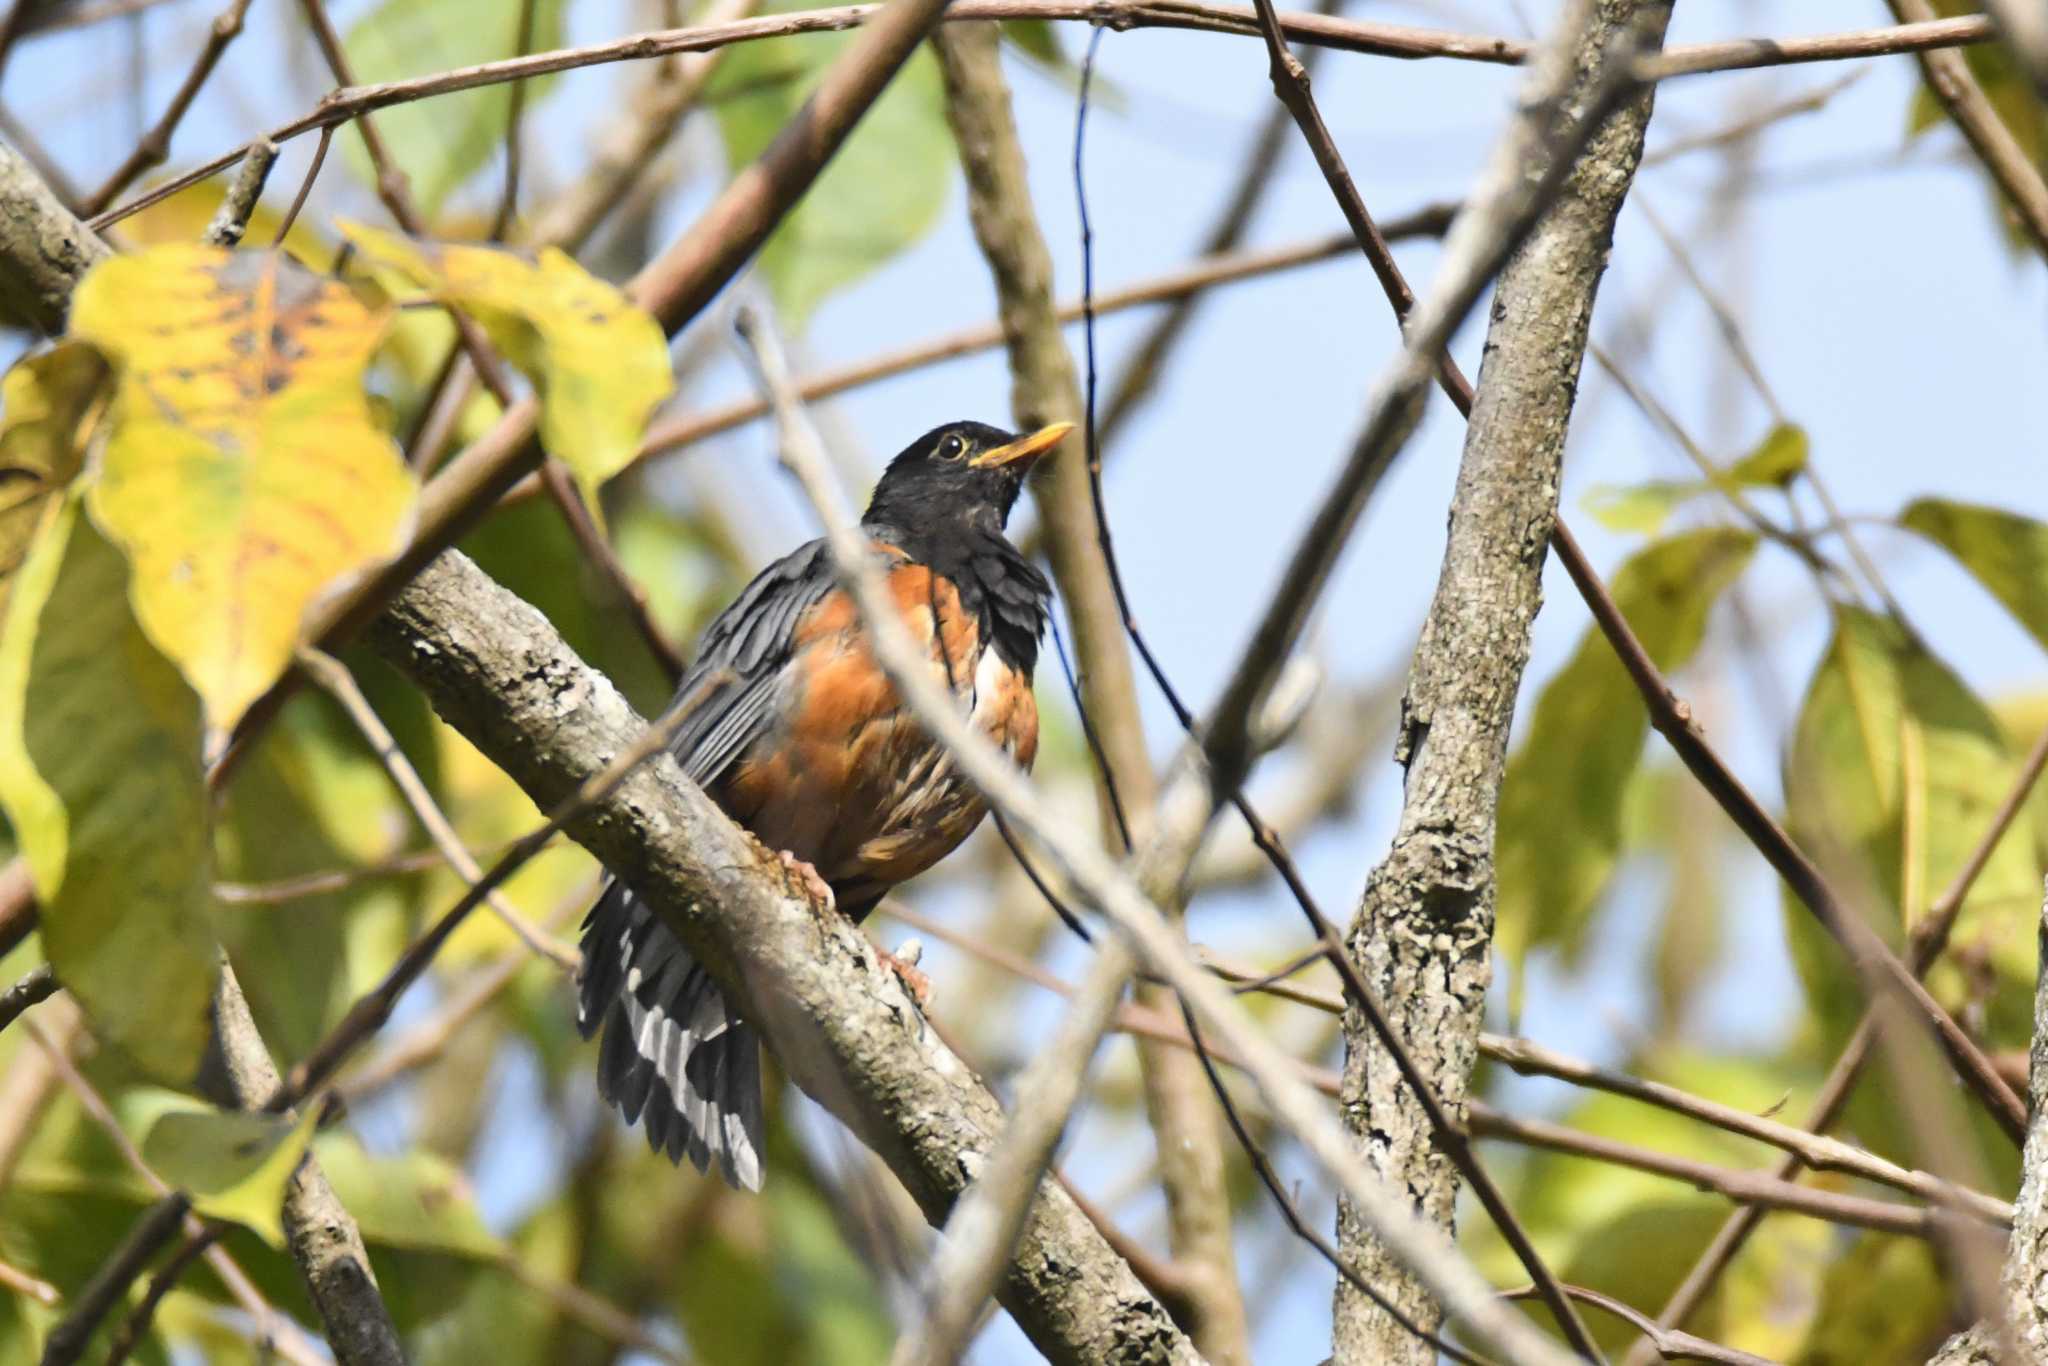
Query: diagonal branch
(836,1018)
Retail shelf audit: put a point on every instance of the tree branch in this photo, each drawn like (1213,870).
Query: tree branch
(1045,388)
(1424,927)
(2024,1284)
(2010,167)
(1349,35)
(43,249)
(837,1019)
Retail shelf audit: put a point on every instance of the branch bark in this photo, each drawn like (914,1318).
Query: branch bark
(323,1237)
(2023,1288)
(1424,926)
(1044,388)
(837,1019)
(43,249)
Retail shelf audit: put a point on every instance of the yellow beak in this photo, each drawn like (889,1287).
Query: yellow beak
(1024,447)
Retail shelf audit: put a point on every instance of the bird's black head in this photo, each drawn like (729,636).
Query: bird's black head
(964,474)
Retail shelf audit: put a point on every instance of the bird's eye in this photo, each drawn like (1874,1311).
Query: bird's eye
(952,446)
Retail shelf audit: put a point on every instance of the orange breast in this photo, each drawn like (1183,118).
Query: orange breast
(851,783)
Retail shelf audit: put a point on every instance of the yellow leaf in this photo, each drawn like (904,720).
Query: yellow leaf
(600,364)
(100,776)
(244,474)
(42,402)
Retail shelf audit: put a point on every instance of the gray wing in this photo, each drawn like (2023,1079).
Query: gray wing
(731,686)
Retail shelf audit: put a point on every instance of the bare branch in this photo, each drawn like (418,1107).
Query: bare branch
(1929,936)
(38,986)
(1387,40)
(155,147)
(43,249)
(668,435)
(2010,167)
(231,219)
(339,684)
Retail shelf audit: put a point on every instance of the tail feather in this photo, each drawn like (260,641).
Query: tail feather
(674,1057)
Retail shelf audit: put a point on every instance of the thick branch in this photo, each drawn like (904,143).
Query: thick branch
(1424,928)
(43,249)
(836,1018)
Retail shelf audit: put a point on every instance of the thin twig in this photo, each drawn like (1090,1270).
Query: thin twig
(32,1287)
(1672,1345)
(159,1225)
(2011,169)
(515,114)
(336,681)
(1348,35)
(291,215)
(38,986)
(632,598)
(1927,939)
(155,146)
(373,1008)
(1750,1188)
(231,219)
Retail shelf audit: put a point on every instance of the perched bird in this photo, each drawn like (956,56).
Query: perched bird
(794,729)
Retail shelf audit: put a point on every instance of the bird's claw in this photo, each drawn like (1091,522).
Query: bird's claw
(814,886)
(914,982)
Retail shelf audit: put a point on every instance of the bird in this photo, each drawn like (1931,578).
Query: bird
(789,724)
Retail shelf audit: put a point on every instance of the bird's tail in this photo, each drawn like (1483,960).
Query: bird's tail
(675,1057)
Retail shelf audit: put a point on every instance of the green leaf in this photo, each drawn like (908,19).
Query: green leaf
(1886,1300)
(100,775)
(1563,799)
(414,1201)
(880,194)
(1640,509)
(236,1165)
(1777,460)
(599,363)
(440,143)
(2006,552)
(1896,765)
(1644,508)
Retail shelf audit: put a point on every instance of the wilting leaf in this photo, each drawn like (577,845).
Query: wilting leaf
(42,402)
(244,475)
(599,364)
(1561,805)
(1644,508)
(1896,765)
(881,193)
(440,143)
(2006,552)
(99,774)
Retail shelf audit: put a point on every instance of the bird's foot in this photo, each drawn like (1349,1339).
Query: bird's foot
(905,967)
(814,886)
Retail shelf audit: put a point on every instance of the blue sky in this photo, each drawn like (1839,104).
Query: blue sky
(1870,278)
